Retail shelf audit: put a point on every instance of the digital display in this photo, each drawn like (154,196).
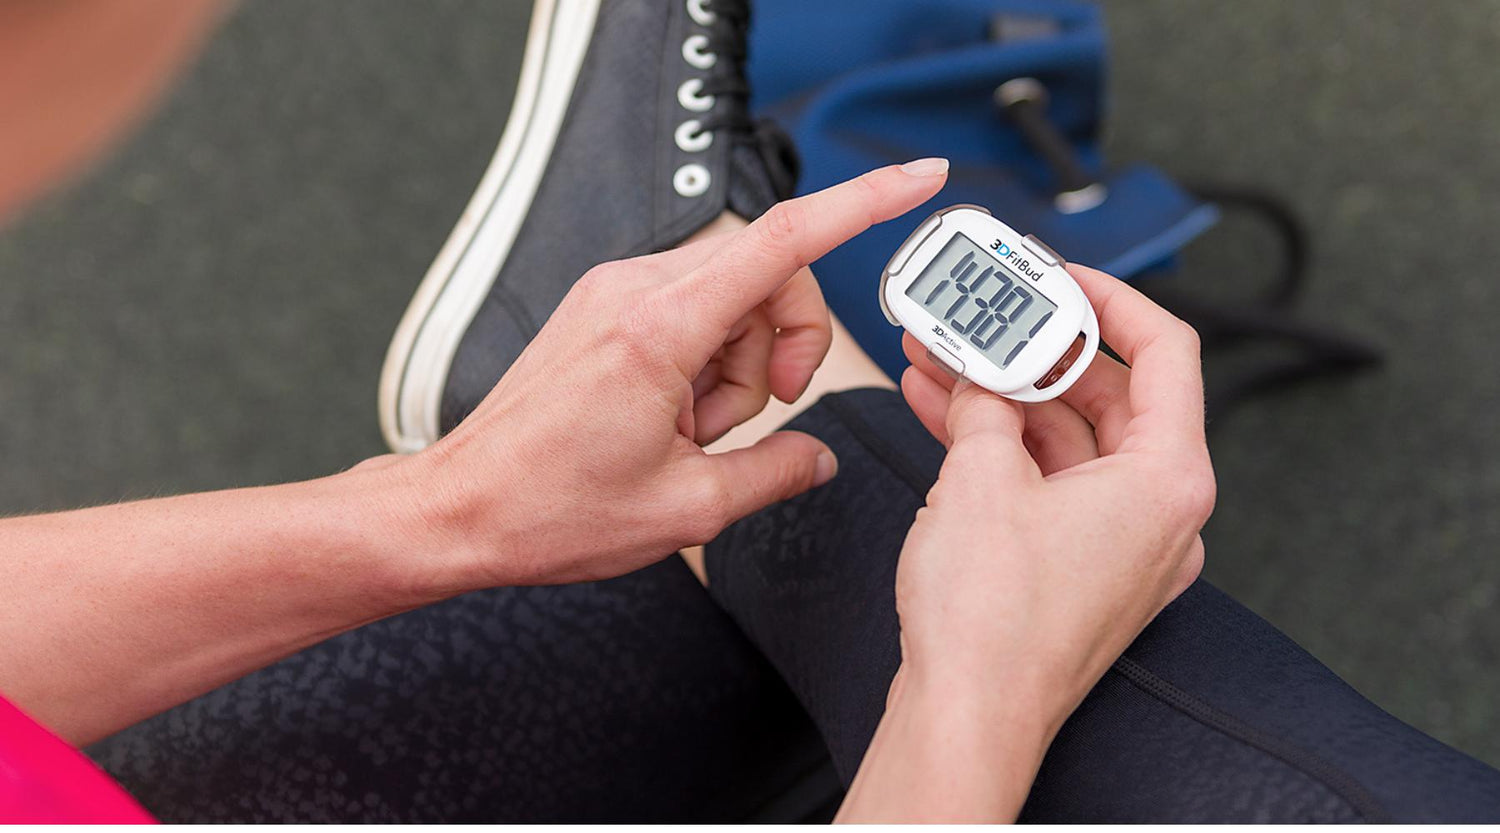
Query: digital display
(981,301)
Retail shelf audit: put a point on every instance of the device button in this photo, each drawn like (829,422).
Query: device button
(1062,365)
(944,359)
(1043,251)
(917,238)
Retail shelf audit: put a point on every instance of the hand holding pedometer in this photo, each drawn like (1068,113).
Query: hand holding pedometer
(990,305)
(1054,533)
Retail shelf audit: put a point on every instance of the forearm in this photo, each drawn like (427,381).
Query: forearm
(945,753)
(112,614)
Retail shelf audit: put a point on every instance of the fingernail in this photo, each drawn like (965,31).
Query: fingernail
(826,467)
(931,166)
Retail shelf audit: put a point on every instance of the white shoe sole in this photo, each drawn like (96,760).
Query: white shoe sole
(421,352)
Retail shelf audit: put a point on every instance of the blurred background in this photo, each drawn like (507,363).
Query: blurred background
(208,306)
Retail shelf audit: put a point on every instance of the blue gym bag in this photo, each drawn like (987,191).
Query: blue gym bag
(1012,93)
(865,83)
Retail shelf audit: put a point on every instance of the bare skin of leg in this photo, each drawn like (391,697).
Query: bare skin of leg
(846,367)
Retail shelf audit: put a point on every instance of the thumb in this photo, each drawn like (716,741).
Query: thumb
(780,466)
(982,419)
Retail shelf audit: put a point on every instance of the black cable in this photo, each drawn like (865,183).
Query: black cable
(1321,352)
(1282,219)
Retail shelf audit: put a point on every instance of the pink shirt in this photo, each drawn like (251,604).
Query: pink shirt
(43,779)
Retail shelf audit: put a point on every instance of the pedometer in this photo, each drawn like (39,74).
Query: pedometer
(990,305)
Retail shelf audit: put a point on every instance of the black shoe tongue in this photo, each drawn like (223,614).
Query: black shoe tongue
(763,170)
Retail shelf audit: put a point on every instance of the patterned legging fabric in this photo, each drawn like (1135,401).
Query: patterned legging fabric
(641,699)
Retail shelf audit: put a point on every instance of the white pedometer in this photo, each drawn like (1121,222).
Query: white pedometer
(990,305)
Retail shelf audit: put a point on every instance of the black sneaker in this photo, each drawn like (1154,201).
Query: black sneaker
(629,132)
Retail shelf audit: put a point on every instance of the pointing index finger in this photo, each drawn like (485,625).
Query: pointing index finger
(756,261)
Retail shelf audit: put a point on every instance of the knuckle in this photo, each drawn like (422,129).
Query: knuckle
(1185,570)
(712,510)
(984,416)
(1194,493)
(780,224)
(1206,490)
(869,192)
(704,528)
(793,475)
(1098,400)
(1043,432)
(634,332)
(1191,568)
(935,497)
(594,281)
(1188,336)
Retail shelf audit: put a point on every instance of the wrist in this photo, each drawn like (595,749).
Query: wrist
(948,754)
(978,716)
(1017,681)
(417,527)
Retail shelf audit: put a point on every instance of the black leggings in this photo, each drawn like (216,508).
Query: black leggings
(641,699)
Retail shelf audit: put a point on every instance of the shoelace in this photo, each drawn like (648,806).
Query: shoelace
(728,41)
(725,93)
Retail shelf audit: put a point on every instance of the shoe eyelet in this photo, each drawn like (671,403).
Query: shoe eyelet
(692,138)
(691,180)
(698,10)
(695,52)
(690,96)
